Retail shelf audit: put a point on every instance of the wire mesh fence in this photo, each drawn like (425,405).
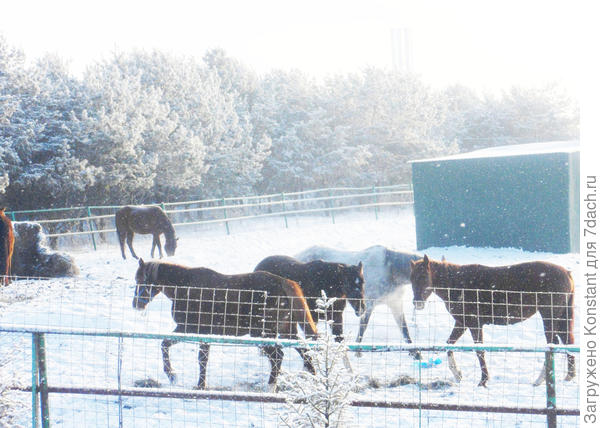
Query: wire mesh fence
(104,364)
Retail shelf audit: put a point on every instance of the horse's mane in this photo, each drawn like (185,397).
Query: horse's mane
(151,271)
(400,260)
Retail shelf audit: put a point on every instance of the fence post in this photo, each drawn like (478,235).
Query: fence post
(331,206)
(550,389)
(284,209)
(41,376)
(375,200)
(35,405)
(119,383)
(89,213)
(225,215)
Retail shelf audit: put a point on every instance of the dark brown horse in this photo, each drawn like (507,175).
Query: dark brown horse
(7,244)
(206,302)
(336,279)
(477,295)
(145,220)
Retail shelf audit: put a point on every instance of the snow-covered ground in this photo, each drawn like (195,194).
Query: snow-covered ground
(100,298)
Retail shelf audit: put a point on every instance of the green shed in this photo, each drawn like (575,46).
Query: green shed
(522,196)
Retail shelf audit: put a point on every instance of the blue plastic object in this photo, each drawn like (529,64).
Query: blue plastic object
(430,363)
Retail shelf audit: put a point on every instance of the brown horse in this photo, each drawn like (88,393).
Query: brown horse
(145,220)
(344,282)
(7,244)
(206,302)
(476,295)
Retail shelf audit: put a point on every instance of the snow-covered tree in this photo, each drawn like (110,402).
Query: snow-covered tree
(320,399)
(39,125)
(13,81)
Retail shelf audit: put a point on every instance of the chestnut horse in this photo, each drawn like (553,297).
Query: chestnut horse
(206,302)
(476,295)
(145,220)
(7,244)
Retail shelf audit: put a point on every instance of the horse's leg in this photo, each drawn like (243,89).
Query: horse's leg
(568,340)
(364,322)
(153,246)
(275,355)
(565,332)
(164,347)
(552,335)
(398,312)
(122,235)
(456,333)
(203,362)
(477,334)
(157,240)
(308,365)
(130,243)
(337,326)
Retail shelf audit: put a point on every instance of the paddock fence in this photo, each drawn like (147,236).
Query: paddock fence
(93,224)
(80,355)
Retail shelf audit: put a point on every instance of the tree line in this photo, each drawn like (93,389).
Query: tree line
(142,127)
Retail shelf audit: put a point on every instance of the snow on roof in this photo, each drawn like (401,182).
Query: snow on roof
(513,150)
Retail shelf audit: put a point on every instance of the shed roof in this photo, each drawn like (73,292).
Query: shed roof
(513,150)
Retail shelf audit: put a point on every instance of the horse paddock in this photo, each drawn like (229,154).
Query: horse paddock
(102,361)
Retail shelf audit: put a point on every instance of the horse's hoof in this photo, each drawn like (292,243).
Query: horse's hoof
(358,353)
(569,377)
(415,354)
(172,378)
(483,383)
(457,375)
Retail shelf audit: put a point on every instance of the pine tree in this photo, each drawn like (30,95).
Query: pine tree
(320,399)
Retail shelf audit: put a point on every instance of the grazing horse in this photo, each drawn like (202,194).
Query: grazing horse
(476,295)
(344,282)
(145,220)
(206,302)
(7,244)
(387,275)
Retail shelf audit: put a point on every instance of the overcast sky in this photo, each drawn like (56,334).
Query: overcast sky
(480,44)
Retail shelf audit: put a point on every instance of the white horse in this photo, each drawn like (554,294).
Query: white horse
(387,278)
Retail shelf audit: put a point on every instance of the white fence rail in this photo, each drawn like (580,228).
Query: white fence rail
(97,220)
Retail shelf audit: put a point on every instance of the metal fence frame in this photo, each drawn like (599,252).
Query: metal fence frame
(329,201)
(40,389)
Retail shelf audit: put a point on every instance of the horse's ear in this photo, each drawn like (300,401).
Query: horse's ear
(141,262)
(360,266)
(426,260)
(412,264)
(443,258)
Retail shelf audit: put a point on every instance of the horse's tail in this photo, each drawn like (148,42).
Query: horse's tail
(300,310)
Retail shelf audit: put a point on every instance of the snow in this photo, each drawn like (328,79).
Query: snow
(100,298)
(513,150)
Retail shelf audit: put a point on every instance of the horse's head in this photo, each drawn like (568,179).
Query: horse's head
(144,290)
(170,246)
(354,287)
(420,277)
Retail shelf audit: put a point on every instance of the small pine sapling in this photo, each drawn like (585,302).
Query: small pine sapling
(320,399)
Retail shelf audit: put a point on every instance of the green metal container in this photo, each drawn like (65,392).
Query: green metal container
(522,196)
